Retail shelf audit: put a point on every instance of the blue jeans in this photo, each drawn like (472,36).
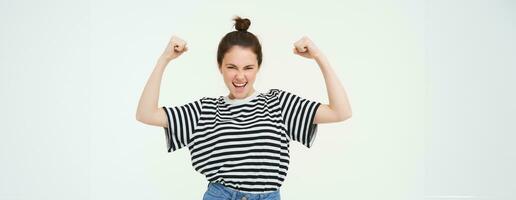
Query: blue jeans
(217,191)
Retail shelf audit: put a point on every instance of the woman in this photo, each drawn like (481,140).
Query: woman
(240,142)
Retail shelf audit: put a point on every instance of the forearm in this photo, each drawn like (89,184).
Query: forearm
(148,103)
(338,100)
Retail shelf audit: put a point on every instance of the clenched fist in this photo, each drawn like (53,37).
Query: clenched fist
(306,48)
(175,47)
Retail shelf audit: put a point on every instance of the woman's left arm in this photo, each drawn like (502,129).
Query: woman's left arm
(338,108)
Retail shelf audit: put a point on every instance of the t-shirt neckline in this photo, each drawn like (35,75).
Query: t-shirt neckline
(241,101)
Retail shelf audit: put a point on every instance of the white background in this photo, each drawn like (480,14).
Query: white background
(431,85)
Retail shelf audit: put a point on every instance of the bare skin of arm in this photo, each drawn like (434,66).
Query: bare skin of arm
(338,108)
(148,111)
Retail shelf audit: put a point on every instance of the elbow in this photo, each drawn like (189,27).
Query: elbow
(147,117)
(140,117)
(344,117)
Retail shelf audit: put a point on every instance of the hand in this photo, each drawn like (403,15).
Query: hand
(175,47)
(306,48)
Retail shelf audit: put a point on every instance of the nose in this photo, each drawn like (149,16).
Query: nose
(240,76)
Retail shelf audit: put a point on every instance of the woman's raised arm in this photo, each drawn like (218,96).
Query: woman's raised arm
(148,111)
(338,108)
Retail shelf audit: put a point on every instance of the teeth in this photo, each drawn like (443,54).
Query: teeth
(239,84)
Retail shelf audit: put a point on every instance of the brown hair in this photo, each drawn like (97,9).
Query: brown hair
(240,37)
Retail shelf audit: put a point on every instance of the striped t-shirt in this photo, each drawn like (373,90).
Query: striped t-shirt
(242,143)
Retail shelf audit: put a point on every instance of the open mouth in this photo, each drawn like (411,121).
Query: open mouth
(239,85)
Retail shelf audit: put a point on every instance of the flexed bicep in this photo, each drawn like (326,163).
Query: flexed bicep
(325,114)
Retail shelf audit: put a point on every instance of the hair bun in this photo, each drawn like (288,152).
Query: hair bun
(242,24)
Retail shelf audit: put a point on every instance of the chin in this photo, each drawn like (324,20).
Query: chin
(239,95)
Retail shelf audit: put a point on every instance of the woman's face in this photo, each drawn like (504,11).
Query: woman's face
(239,68)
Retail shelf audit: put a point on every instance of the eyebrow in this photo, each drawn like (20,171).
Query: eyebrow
(244,66)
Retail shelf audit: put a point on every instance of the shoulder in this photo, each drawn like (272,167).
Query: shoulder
(271,93)
(274,92)
(277,93)
(209,100)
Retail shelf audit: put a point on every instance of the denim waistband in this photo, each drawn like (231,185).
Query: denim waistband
(217,191)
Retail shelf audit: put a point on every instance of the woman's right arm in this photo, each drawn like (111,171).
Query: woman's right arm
(148,111)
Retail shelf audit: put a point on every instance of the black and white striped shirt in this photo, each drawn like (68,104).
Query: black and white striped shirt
(242,143)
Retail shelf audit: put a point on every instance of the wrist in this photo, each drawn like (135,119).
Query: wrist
(163,59)
(319,57)
(162,62)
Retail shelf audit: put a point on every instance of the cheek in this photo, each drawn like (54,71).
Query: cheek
(251,75)
(229,76)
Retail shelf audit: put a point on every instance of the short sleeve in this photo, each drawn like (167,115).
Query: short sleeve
(298,115)
(182,121)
